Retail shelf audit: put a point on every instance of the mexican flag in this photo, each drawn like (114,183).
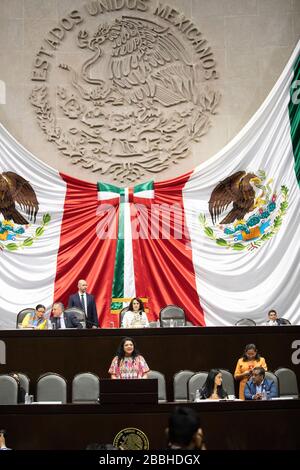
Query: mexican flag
(222,241)
(246,262)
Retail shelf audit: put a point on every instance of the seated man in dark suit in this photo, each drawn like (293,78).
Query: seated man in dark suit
(59,320)
(273,319)
(86,302)
(258,387)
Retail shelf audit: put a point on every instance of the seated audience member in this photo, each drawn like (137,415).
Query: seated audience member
(36,320)
(128,363)
(273,319)
(135,317)
(245,365)
(258,387)
(59,320)
(86,302)
(21,391)
(2,440)
(213,387)
(184,431)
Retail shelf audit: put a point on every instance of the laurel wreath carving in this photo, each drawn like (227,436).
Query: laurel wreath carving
(39,231)
(92,151)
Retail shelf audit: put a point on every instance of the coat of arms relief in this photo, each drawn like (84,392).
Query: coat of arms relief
(132,101)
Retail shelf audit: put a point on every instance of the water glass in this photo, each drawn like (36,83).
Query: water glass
(28,399)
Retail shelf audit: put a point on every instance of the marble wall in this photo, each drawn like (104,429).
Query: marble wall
(251,41)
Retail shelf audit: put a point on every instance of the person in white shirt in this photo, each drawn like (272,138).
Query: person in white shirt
(135,317)
(86,302)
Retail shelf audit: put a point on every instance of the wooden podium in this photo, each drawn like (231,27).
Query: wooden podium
(128,391)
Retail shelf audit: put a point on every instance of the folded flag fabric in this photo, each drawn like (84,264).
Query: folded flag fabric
(221,241)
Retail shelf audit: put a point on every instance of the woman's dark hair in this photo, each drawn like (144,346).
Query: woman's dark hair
(250,346)
(121,353)
(208,388)
(130,306)
(40,306)
(272,310)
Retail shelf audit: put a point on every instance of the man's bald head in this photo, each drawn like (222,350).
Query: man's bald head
(82,286)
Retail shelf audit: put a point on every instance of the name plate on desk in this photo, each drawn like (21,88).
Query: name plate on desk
(128,391)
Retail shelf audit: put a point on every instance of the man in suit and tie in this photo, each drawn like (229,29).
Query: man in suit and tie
(274,320)
(59,320)
(86,302)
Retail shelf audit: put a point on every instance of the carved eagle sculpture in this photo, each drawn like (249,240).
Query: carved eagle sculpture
(237,189)
(15,189)
(147,62)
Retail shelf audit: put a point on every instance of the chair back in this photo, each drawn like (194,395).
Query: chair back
(270,376)
(24,381)
(85,388)
(284,321)
(51,387)
(22,314)
(162,395)
(228,382)
(196,382)
(122,313)
(172,315)
(8,390)
(245,322)
(287,380)
(80,314)
(180,381)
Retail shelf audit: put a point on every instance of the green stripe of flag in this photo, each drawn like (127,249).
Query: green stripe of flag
(294,113)
(143,187)
(118,282)
(108,187)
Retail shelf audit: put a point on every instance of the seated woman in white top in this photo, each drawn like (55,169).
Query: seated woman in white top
(135,317)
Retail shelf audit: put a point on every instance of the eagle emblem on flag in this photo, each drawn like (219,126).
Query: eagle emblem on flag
(252,211)
(16,196)
(15,189)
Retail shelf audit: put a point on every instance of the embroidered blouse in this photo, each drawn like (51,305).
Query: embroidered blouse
(129,368)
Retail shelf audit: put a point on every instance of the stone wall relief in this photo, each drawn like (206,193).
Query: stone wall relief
(141,96)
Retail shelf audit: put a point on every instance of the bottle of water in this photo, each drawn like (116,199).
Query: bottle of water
(27,399)
(158,323)
(171,323)
(197,395)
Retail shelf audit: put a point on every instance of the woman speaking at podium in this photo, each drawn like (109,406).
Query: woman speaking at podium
(128,363)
